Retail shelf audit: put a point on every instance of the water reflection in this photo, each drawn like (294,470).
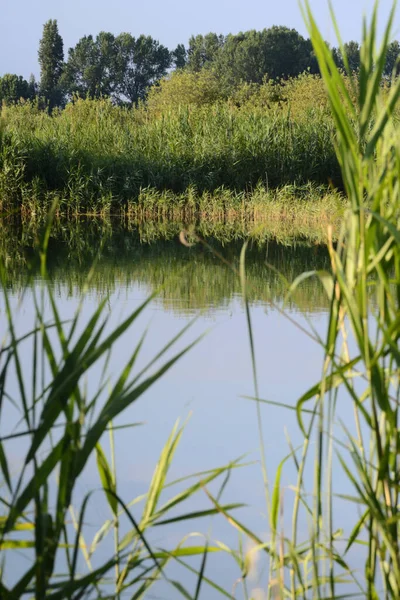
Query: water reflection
(203,276)
(211,380)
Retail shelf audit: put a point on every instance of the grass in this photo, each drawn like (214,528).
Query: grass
(64,426)
(95,157)
(297,205)
(361,357)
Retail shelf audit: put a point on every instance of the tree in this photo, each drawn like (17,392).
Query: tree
(286,53)
(203,50)
(337,57)
(14,88)
(92,66)
(241,59)
(33,87)
(120,67)
(352,51)
(392,56)
(51,61)
(179,56)
(141,63)
(276,53)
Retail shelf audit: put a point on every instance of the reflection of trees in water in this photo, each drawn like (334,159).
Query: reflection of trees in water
(189,278)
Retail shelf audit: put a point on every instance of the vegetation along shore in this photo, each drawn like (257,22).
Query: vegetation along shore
(121,122)
(83,516)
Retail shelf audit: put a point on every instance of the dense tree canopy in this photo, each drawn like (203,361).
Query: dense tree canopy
(272,53)
(141,63)
(252,56)
(203,50)
(14,88)
(124,68)
(352,51)
(392,58)
(179,56)
(121,67)
(92,65)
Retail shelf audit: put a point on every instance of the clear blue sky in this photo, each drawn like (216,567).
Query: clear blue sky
(169,21)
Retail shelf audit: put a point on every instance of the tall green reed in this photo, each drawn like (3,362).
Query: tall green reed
(95,157)
(361,356)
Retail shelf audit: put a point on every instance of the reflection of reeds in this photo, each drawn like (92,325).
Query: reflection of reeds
(149,253)
(60,429)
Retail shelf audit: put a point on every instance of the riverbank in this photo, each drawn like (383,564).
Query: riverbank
(289,209)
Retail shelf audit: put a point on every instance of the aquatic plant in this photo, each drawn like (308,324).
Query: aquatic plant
(361,363)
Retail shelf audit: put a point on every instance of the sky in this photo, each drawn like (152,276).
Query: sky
(169,21)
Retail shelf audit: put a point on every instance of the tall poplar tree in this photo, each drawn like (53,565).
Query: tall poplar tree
(51,61)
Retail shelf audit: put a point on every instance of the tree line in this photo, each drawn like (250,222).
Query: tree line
(124,67)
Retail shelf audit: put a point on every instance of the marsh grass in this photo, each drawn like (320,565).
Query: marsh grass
(95,157)
(361,361)
(297,205)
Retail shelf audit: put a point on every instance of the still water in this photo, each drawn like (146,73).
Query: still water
(207,388)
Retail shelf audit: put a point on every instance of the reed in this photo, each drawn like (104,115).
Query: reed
(361,360)
(96,157)
(149,254)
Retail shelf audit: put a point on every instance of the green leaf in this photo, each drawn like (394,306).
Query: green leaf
(330,382)
(4,467)
(198,514)
(107,479)
(276,492)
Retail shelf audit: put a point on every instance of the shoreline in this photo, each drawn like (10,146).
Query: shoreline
(288,207)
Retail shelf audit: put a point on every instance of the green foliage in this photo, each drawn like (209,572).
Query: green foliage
(64,426)
(125,68)
(143,62)
(203,50)
(12,172)
(360,366)
(14,88)
(392,58)
(368,256)
(94,154)
(185,88)
(352,52)
(91,69)
(251,56)
(277,52)
(51,61)
(361,360)
(122,67)
(179,56)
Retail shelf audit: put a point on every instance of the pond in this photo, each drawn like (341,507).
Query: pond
(210,387)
